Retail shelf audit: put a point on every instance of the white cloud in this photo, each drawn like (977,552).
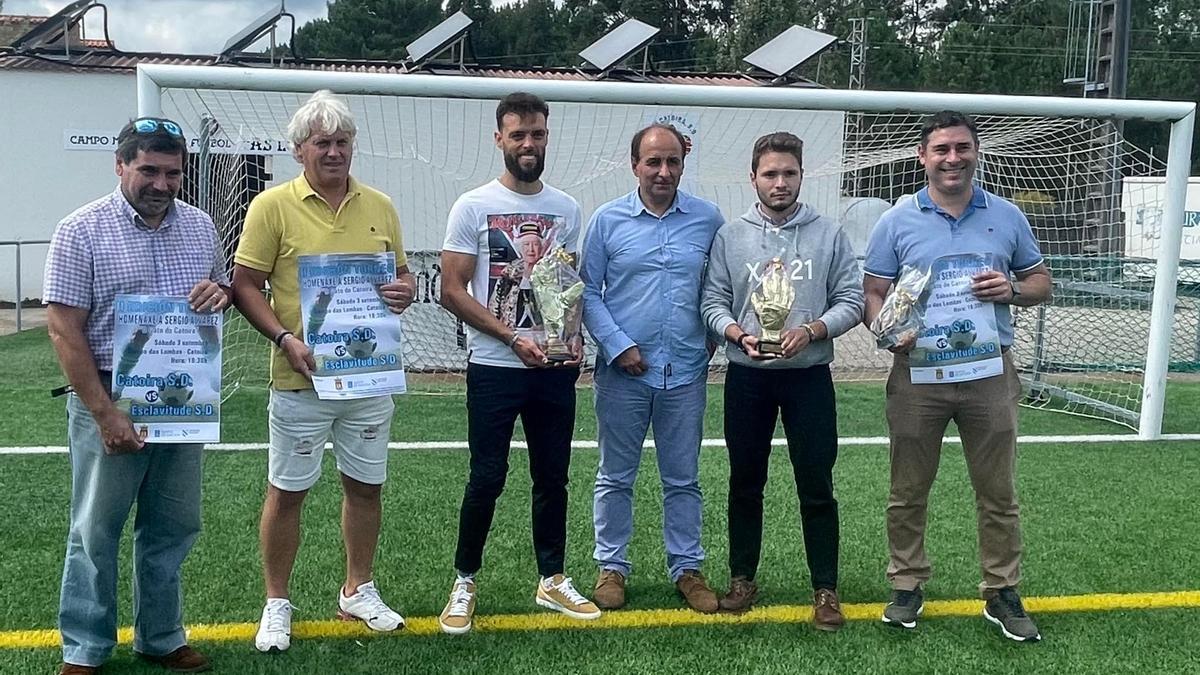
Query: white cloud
(176,26)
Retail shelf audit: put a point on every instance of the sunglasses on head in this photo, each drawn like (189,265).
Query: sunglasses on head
(149,125)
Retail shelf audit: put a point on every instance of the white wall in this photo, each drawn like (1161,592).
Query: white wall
(40,182)
(423,153)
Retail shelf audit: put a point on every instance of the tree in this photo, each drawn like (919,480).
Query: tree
(368,29)
(995,46)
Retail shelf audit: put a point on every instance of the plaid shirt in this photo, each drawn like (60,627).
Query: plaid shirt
(105,249)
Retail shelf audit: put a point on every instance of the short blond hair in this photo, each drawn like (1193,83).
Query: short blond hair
(322,113)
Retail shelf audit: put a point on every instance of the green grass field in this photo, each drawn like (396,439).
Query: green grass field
(1098,518)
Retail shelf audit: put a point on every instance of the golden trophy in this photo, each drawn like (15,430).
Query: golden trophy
(558,291)
(773,305)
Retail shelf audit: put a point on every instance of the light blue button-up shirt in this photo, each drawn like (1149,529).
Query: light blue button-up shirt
(642,277)
(916,231)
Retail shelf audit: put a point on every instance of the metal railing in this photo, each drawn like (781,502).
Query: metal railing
(17,269)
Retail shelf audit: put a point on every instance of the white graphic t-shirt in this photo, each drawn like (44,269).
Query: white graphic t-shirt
(508,233)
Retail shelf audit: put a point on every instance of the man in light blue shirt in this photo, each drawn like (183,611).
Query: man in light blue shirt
(950,216)
(643,266)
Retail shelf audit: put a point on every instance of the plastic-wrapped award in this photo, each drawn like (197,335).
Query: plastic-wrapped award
(558,291)
(900,317)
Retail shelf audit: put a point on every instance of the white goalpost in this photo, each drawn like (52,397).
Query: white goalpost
(1109,216)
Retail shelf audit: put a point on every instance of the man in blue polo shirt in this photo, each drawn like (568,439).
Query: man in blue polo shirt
(953,216)
(643,264)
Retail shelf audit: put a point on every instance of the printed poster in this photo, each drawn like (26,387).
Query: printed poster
(960,341)
(356,341)
(167,368)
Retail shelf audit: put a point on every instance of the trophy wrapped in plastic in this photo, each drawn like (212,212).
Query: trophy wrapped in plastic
(772,301)
(900,318)
(558,291)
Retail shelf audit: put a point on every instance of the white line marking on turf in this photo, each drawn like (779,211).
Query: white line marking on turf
(707,443)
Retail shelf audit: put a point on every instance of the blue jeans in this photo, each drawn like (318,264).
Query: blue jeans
(164,481)
(625,409)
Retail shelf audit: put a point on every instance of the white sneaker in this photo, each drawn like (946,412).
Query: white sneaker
(366,606)
(459,613)
(275,626)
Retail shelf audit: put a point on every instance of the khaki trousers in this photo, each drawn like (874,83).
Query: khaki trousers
(986,414)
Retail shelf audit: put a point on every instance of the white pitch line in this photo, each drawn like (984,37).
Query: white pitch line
(707,443)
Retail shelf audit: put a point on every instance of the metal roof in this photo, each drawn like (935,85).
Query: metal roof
(106,60)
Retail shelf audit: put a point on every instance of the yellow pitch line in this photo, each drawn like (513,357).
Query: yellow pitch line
(641,618)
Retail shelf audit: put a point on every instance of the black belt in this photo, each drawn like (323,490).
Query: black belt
(67,389)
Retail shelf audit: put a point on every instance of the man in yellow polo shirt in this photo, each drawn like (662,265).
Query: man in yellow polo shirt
(324,210)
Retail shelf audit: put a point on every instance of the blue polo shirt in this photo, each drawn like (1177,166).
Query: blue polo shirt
(642,276)
(915,232)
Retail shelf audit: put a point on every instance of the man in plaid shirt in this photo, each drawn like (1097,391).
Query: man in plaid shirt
(137,240)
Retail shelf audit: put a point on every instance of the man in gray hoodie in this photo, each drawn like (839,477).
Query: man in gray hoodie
(782,282)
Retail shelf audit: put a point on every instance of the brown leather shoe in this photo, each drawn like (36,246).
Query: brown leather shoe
(182,660)
(72,669)
(610,590)
(827,610)
(741,596)
(694,589)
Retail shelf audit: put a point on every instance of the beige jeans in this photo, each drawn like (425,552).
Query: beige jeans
(986,414)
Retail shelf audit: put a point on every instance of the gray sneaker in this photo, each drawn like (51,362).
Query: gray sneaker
(904,608)
(1004,608)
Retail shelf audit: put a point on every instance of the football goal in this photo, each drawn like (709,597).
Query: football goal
(1109,216)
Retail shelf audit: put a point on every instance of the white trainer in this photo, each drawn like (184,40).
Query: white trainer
(366,606)
(275,626)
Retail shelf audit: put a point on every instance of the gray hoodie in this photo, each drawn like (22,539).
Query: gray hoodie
(818,258)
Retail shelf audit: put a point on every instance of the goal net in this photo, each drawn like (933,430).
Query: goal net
(1095,202)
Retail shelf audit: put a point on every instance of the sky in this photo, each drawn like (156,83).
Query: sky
(175,26)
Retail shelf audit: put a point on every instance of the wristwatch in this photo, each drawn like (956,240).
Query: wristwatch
(1016,288)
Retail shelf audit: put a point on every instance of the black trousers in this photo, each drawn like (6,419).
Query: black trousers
(545,402)
(754,399)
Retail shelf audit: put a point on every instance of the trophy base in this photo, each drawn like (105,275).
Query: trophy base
(770,347)
(557,351)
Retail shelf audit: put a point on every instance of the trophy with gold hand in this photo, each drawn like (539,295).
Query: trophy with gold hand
(557,289)
(772,305)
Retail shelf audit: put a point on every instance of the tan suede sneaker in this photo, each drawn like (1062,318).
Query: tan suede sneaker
(456,618)
(558,593)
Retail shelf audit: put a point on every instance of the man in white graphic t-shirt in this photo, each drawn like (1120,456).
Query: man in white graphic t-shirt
(494,236)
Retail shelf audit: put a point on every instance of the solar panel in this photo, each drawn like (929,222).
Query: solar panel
(789,49)
(252,32)
(439,37)
(619,44)
(53,28)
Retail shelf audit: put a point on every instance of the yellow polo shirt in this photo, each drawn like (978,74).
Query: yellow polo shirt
(291,220)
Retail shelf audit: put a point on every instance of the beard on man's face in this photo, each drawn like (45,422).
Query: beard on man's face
(525,174)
